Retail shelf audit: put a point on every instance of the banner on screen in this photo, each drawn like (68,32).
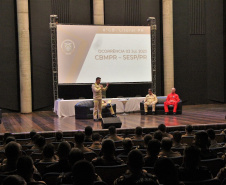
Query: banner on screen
(118,54)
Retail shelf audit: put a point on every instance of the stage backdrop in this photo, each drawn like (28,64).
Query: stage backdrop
(118,54)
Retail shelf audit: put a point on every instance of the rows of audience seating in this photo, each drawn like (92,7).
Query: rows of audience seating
(187,157)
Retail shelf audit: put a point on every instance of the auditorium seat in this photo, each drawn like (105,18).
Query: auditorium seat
(51,178)
(41,166)
(89,156)
(206,182)
(214,165)
(109,173)
(177,160)
(180,150)
(187,140)
(36,156)
(23,141)
(159,108)
(84,110)
(138,142)
(220,138)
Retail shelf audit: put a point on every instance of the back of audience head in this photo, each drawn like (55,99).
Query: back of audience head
(191,157)
(63,150)
(154,147)
(167,144)
(59,136)
(88,131)
(211,133)
(188,129)
(12,151)
(6,135)
(75,155)
(138,131)
(162,128)
(96,137)
(48,151)
(147,138)
(25,167)
(202,139)
(158,135)
(79,138)
(108,148)
(14,180)
(40,141)
(32,134)
(9,139)
(83,173)
(166,172)
(135,161)
(177,136)
(127,144)
(112,130)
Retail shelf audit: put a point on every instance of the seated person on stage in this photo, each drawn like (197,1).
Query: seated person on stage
(177,136)
(188,130)
(96,142)
(166,149)
(191,170)
(136,174)
(213,142)
(172,99)
(150,99)
(107,104)
(79,142)
(153,150)
(113,134)
(108,158)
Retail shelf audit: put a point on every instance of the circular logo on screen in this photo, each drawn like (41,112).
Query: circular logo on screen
(68,46)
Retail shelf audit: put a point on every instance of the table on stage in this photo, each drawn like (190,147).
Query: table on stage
(66,107)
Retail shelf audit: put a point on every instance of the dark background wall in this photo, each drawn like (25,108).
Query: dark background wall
(9,67)
(199,47)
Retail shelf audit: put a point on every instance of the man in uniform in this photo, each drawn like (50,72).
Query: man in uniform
(150,99)
(97,89)
(108,105)
(172,99)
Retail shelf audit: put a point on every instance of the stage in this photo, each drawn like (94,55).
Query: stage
(48,121)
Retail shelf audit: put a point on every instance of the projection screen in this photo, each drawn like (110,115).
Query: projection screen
(117,54)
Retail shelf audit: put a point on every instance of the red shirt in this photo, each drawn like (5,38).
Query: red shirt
(173,97)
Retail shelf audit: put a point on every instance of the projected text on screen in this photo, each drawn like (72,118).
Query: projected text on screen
(118,54)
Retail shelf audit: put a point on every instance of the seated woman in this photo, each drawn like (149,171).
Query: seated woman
(108,158)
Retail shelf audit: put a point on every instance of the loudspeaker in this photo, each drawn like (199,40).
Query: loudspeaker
(112,121)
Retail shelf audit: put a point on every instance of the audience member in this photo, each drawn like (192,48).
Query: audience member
(191,170)
(59,136)
(5,136)
(166,172)
(136,174)
(83,173)
(48,153)
(9,139)
(212,136)
(202,141)
(40,142)
(96,141)
(62,165)
(88,134)
(138,134)
(188,130)
(14,180)
(177,136)
(127,144)
(12,153)
(158,135)
(147,138)
(79,142)
(26,169)
(113,134)
(32,134)
(108,158)
(162,128)
(153,150)
(166,149)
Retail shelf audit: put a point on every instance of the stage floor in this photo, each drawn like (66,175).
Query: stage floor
(48,121)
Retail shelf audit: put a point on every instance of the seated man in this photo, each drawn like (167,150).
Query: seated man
(150,99)
(172,99)
(188,130)
(113,134)
(107,104)
(166,148)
